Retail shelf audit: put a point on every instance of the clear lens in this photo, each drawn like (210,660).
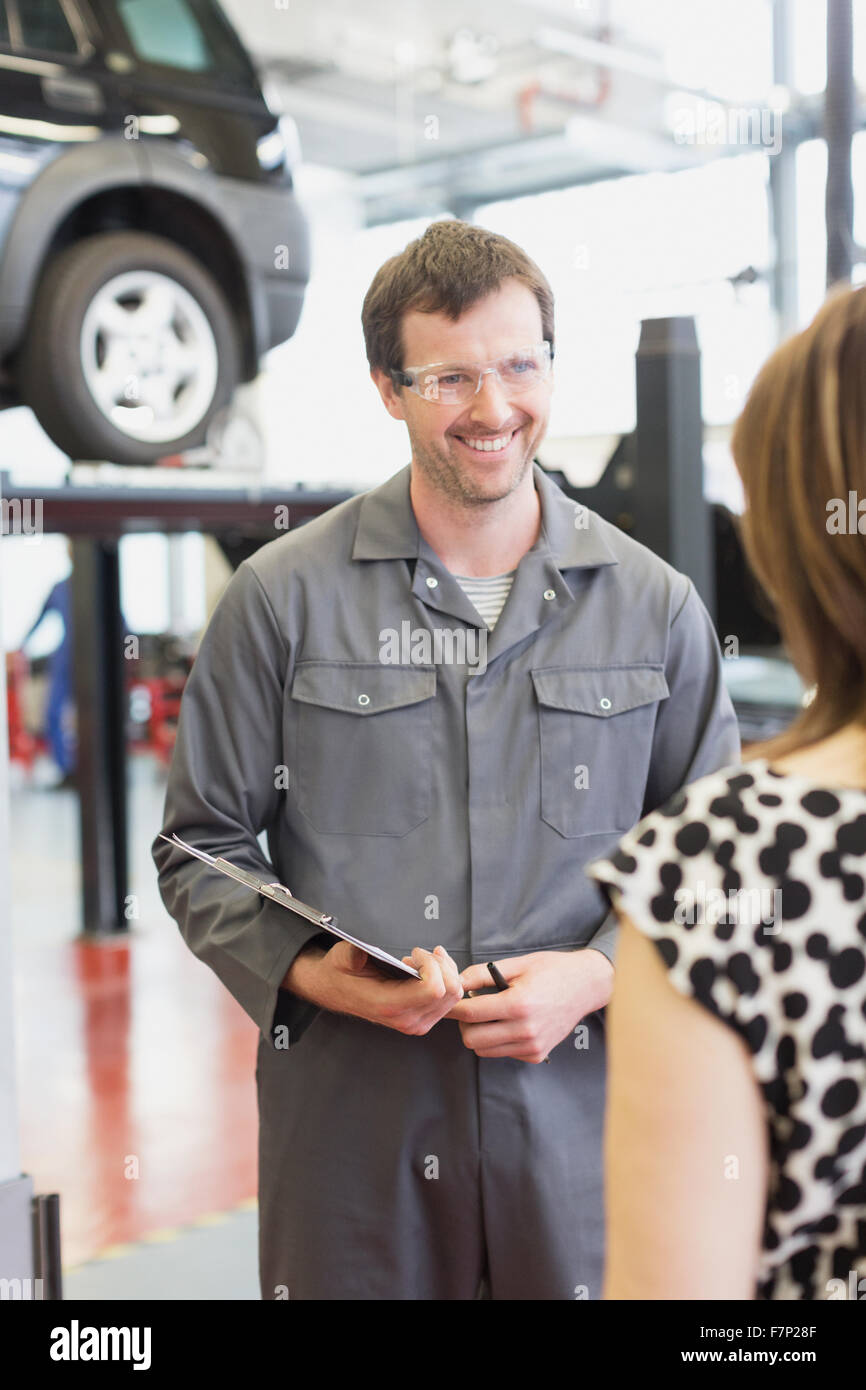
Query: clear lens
(452,385)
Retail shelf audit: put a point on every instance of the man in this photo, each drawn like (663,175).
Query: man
(409,1145)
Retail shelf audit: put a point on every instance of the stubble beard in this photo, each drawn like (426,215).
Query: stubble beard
(442,471)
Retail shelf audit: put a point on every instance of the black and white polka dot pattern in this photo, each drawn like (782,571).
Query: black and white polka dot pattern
(703,876)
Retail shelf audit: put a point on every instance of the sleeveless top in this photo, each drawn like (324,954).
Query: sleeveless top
(750,882)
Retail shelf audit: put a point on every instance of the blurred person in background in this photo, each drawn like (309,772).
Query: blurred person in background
(60,705)
(735,1141)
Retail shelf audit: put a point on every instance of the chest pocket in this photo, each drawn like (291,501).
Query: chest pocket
(595,735)
(363,755)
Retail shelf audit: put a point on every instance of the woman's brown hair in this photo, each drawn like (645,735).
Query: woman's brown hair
(800,447)
(447,270)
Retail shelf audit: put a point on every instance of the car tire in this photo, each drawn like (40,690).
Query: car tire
(52,375)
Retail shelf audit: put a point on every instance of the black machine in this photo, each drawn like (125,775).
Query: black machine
(652,488)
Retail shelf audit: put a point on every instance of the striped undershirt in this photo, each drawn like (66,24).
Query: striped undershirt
(487,595)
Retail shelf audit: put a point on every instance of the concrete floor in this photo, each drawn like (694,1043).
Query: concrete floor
(136,1072)
(215,1259)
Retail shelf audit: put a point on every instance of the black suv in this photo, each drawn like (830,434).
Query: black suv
(151,245)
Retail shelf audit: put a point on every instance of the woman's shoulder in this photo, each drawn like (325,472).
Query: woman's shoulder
(735,799)
(737,851)
(716,852)
(743,798)
(697,876)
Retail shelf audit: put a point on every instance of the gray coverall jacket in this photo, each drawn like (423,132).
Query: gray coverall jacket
(429,801)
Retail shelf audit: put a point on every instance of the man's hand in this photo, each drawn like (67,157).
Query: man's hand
(345,980)
(548,993)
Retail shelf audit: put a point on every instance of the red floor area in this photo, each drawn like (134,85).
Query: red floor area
(136,1086)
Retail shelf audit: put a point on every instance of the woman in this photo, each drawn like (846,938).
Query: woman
(736,1123)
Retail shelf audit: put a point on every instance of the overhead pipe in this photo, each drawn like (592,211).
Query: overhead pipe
(526,96)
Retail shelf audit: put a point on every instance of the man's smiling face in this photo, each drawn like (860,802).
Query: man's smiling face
(445,438)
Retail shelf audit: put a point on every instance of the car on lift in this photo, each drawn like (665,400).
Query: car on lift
(152,247)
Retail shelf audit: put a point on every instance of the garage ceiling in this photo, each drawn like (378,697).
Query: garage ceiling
(466,101)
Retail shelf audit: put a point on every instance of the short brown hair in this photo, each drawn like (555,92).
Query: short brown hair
(447,270)
(800,443)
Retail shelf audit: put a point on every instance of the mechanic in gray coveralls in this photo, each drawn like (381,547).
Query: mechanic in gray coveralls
(409,1147)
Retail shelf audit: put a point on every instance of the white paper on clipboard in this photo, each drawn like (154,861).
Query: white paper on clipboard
(278,893)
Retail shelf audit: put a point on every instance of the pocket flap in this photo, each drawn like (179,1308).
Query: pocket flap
(362,687)
(601,690)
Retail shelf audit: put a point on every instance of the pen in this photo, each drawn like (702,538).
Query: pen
(500,982)
(498,978)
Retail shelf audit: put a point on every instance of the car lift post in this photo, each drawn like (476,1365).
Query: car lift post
(673,514)
(95,518)
(100,697)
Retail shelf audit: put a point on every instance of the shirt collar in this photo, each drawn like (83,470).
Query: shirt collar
(570,532)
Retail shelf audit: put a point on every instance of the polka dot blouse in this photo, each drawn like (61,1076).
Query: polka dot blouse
(751,884)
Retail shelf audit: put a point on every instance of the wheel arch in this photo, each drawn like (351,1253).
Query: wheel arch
(76,197)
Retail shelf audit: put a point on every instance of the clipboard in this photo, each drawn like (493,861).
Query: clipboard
(278,893)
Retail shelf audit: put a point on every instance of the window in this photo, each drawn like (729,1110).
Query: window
(43,26)
(165,31)
(184,34)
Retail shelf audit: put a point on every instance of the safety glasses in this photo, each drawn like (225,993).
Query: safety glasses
(453,383)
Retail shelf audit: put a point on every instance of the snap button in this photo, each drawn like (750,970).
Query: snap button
(550,593)
(432,581)
(363,699)
(604,702)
